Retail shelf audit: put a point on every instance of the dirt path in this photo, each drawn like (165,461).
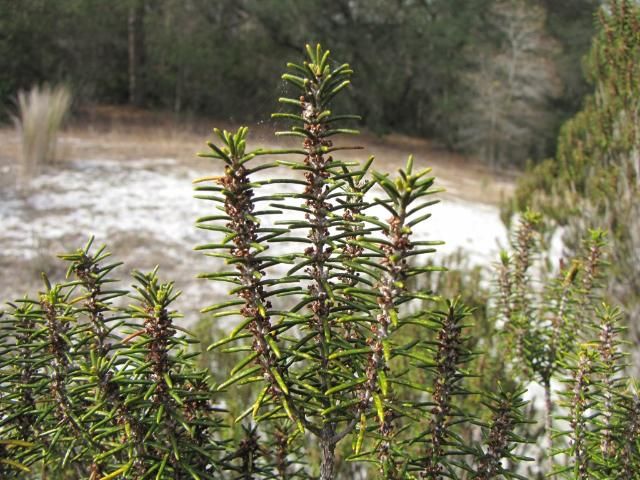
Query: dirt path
(130,185)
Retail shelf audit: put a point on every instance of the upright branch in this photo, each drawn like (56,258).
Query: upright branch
(609,361)
(59,328)
(593,266)
(611,397)
(174,407)
(394,251)
(451,354)
(505,288)
(24,387)
(502,438)
(94,301)
(553,339)
(318,84)
(93,277)
(20,395)
(158,328)
(524,246)
(248,452)
(242,231)
(578,405)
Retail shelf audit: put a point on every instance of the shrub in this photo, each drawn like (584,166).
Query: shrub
(593,179)
(339,355)
(93,391)
(41,111)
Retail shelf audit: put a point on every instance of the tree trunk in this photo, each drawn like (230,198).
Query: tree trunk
(177,103)
(136,42)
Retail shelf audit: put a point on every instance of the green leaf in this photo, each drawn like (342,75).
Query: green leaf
(361,431)
(290,101)
(349,352)
(386,350)
(241,326)
(295,80)
(274,346)
(259,401)
(345,386)
(379,407)
(311,54)
(120,471)
(15,464)
(243,415)
(162,467)
(384,385)
(243,363)
(279,380)
(239,376)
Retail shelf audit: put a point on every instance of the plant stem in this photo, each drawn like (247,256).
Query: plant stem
(328,455)
(548,423)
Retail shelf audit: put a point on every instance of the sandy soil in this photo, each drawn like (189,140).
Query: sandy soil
(125,177)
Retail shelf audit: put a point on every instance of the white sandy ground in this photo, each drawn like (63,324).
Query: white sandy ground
(145,211)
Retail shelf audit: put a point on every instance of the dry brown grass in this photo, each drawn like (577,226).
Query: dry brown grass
(41,111)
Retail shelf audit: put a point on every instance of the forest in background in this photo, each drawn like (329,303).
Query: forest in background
(493,78)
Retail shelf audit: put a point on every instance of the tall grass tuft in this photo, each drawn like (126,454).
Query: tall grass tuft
(41,111)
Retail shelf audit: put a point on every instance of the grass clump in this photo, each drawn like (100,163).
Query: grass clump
(41,111)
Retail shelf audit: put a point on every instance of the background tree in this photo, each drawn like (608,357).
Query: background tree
(135,24)
(512,86)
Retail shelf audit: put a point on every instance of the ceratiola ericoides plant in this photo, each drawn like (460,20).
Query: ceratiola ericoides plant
(89,390)
(321,269)
(342,365)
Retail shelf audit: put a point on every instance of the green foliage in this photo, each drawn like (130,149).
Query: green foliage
(599,401)
(322,325)
(182,54)
(90,390)
(560,335)
(505,410)
(337,360)
(593,180)
(594,146)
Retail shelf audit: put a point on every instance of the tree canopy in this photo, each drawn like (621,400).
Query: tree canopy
(427,63)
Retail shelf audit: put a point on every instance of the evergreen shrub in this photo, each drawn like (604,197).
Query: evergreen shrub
(344,364)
